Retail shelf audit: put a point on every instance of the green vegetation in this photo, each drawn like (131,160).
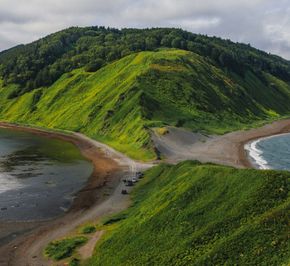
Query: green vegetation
(161,131)
(113,219)
(64,248)
(88,229)
(74,262)
(115,86)
(120,102)
(201,214)
(42,62)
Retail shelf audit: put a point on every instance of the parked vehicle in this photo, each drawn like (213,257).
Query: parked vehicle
(124,192)
(129,183)
(140,175)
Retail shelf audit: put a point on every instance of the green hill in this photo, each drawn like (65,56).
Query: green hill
(114,86)
(192,214)
(42,62)
(121,101)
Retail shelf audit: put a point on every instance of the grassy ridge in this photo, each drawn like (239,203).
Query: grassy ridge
(118,103)
(189,91)
(44,61)
(193,214)
(103,105)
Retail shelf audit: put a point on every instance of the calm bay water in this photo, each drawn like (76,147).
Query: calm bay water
(38,176)
(271,152)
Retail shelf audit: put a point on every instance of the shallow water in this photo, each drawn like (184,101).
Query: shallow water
(271,152)
(38,176)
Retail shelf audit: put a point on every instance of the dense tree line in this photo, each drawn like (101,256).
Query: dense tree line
(42,62)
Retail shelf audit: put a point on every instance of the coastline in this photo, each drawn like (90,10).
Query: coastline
(101,195)
(229,149)
(102,165)
(254,153)
(249,149)
(270,130)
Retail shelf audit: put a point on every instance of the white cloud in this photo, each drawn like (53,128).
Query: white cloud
(198,25)
(263,23)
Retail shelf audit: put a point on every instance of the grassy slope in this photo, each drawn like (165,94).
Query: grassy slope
(193,214)
(189,91)
(104,105)
(119,102)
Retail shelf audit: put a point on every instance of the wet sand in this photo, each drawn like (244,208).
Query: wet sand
(102,196)
(101,184)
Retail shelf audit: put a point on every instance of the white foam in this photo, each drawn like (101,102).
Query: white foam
(257,154)
(8,183)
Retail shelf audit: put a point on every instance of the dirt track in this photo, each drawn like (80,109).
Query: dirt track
(102,194)
(101,197)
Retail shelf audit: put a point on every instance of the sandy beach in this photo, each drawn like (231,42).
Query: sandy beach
(228,149)
(102,194)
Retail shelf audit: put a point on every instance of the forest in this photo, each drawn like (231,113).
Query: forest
(42,62)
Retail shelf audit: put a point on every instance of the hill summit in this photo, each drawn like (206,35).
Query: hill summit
(115,85)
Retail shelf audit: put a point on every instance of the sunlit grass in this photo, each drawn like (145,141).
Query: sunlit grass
(195,214)
(121,101)
(61,249)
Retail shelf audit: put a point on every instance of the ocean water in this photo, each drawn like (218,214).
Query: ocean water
(38,176)
(270,152)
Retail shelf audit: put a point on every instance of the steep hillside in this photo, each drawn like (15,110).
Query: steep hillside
(120,102)
(192,214)
(42,62)
(104,105)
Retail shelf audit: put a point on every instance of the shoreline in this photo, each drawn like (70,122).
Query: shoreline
(259,162)
(229,149)
(97,178)
(101,195)
(268,131)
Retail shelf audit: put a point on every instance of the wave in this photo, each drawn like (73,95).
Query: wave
(256,154)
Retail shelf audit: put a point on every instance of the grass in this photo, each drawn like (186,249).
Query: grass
(88,229)
(120,102)
(162,131)
(61,249)
(188,214)
(195,214)
(74,262)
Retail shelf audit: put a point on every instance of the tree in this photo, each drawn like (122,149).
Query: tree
(94,66)
(151,43)
(176,42)
(166,41)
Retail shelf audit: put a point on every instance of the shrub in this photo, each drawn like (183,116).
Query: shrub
(88,229)
(64,248)
(162,131)
(94,66)
(74,262)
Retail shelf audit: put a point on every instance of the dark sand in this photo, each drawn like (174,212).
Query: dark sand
(101,184)
(228,149)
(102,196)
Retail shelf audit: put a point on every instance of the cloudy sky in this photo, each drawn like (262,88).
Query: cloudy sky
(263,23)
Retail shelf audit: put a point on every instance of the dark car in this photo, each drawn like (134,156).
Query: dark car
(129,183)
(139,174)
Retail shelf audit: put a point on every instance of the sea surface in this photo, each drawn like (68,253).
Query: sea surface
(270,152)
(38,176)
